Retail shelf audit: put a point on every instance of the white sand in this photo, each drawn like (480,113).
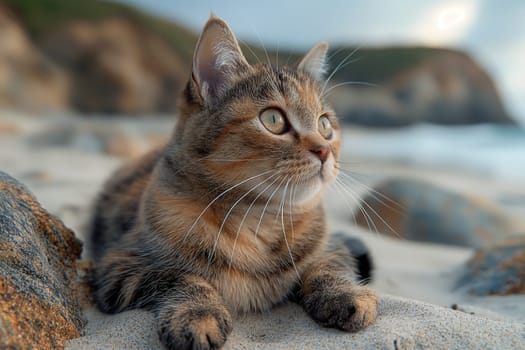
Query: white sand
(66,181)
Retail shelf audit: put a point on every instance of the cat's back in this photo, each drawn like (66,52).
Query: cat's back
(116,207)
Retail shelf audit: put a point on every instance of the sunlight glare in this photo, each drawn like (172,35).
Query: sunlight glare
(446,23)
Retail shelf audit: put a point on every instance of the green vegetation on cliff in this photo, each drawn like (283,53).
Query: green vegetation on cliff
(43,17)
(151,58)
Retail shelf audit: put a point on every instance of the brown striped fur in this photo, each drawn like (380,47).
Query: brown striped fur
(228,216)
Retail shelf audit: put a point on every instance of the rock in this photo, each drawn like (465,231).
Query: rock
(38,280)
(8,128)
(498,269)
(448,87)
(113,68)
(28,79)
(371,107)
(420,211)
(100,136)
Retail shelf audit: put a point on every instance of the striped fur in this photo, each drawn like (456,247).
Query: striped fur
(227,217)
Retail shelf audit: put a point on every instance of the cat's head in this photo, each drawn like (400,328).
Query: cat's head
(267,126)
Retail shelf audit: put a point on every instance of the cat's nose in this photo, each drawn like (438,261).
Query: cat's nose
(321,151)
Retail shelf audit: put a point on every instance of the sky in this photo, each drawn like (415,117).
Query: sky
(492,31)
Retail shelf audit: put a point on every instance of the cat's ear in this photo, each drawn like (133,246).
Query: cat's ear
(217,59)
(314,62)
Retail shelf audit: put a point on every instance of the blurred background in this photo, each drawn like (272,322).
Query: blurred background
(426,89)
(431,95)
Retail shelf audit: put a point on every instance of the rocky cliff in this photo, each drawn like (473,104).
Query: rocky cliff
(116,66)
(443,87)
(28,79)
(103,57)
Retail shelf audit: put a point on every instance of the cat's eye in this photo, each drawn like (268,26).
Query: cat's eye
(274,121)
(325,127)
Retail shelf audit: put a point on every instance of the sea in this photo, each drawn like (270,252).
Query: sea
(488,150)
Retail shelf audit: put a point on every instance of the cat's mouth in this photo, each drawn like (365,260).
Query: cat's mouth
(323,173)
(327,171)
(313,183)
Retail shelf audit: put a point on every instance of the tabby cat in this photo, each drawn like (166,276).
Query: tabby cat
(227,218)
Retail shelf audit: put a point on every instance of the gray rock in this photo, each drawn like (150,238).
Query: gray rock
(499,269)
(420,211)
(38,279)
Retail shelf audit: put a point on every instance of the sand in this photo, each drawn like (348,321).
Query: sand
(416,281)
(402,324)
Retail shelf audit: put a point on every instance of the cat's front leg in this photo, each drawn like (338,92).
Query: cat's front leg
(192,315)
(330,296)
(190,312)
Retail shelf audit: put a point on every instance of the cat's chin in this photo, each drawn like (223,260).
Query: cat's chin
(311,189)
(306,193)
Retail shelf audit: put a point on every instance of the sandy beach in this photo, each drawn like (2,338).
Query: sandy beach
(415,280)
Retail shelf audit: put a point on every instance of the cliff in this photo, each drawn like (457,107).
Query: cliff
(103,57)
(414,85)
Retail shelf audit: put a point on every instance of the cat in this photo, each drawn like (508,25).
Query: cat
(227,218)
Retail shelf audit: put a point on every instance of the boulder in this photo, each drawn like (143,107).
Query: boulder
(420,211)
(498,269)
(39,308)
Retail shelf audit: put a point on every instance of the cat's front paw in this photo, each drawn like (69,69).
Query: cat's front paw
(350,309)
(195,328)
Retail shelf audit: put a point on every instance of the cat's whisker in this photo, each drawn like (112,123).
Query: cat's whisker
(239,159)
(227,215)
(264,48)
(218,197)
(244,218)
(374,212)
(288,59)
(382,220)
(337,68)
(246,45)
(353,196)
(359,83)
(292,194)
(378,196)
(284,232)
(340,186)
(333,54)
(282,199)
(323,93)
(353,162)
(266,205)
